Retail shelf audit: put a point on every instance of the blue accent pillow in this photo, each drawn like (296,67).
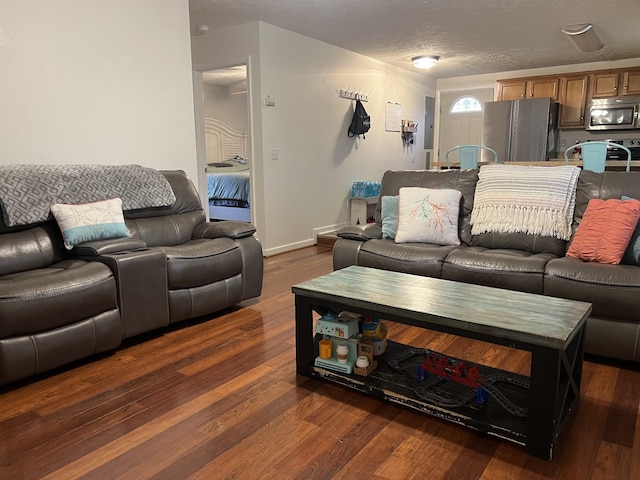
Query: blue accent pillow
(86,222)
(389,213)
(632,253)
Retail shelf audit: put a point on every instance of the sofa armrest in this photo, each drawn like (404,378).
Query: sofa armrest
(103,247)
(141,279)
(368,231)
(225,228)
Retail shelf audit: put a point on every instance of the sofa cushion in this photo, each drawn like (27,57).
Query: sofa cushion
(612,289)
(605,230)
(603,185)
(201,262)
(47,298)
(428,215)
(37,352)
(521,241)
(87,222)
(418,258)
(158,231)
(502,268)
(632,253)
(35,248)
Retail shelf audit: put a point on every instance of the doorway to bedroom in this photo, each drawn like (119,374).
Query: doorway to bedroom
(227,143)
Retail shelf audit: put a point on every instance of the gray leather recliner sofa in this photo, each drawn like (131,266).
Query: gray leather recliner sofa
(516,261)
(58,306)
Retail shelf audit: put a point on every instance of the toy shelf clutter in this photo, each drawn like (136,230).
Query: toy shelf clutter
(343,334)
(349,342)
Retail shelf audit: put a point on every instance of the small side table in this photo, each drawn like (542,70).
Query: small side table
(362,208)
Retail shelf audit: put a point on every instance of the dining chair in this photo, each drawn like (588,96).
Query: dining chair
(594,154)
(469,155)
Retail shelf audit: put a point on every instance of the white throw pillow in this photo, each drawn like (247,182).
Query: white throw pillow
(90,221)
(428,215)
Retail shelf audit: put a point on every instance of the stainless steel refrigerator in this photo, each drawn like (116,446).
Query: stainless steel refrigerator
(520,130)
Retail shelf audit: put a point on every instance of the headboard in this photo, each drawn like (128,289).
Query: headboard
(223,142)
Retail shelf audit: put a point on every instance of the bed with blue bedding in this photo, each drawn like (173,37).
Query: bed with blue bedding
(229,190)
(228,171)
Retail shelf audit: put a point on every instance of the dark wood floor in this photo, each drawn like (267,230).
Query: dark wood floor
(221,400)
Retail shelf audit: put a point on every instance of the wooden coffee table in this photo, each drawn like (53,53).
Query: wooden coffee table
(552,329)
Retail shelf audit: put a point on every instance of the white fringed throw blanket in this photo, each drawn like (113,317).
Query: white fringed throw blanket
(532,200)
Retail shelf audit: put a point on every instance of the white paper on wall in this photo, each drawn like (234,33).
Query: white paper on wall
(393,117)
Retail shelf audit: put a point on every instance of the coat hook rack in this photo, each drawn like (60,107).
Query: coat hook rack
(354,95)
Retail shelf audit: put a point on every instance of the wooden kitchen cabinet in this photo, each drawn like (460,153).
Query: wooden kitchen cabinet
(573,97)
(631,82)
(529,88)
(573,90)
(512,89)
(543,87)
(616,83)
(605,85)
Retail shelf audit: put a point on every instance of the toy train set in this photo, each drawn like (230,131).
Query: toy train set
(434,378)
(437,369)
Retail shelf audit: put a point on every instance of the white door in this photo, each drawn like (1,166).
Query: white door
(464,126)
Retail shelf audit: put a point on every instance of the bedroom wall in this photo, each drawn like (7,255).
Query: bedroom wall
(305,190)
(220,104)
(89,81)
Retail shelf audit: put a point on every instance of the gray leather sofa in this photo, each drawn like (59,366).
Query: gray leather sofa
(516,261)
(59,306)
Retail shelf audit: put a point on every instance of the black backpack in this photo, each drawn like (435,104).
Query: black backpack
(361,122)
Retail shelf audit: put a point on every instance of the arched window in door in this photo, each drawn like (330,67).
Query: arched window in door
(466,105)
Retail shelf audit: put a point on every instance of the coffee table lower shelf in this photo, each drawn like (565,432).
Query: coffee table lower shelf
(453,402)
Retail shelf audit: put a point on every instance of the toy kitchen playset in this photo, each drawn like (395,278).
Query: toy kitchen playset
(349,342)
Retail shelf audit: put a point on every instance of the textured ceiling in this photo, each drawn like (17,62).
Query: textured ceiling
(471,36)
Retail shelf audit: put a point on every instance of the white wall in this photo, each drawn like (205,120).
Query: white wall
(306,190)
(220,104)
(90,81)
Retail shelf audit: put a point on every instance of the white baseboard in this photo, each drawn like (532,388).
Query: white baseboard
(304,243)
(289,247)
(328,229)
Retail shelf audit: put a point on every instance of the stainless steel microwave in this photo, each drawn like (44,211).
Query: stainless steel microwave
(613,114)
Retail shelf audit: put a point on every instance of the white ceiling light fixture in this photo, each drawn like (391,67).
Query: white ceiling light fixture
(425,61)
(583,37)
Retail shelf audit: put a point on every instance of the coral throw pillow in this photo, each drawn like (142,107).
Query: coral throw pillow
(427,215)
(605,230)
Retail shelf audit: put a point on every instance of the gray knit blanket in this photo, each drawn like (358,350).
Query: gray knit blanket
(28,191)
(532,200)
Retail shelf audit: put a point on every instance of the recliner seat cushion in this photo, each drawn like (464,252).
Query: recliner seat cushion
(502,268)
(61,294)
(418,258)
(613,290)
(202,261)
